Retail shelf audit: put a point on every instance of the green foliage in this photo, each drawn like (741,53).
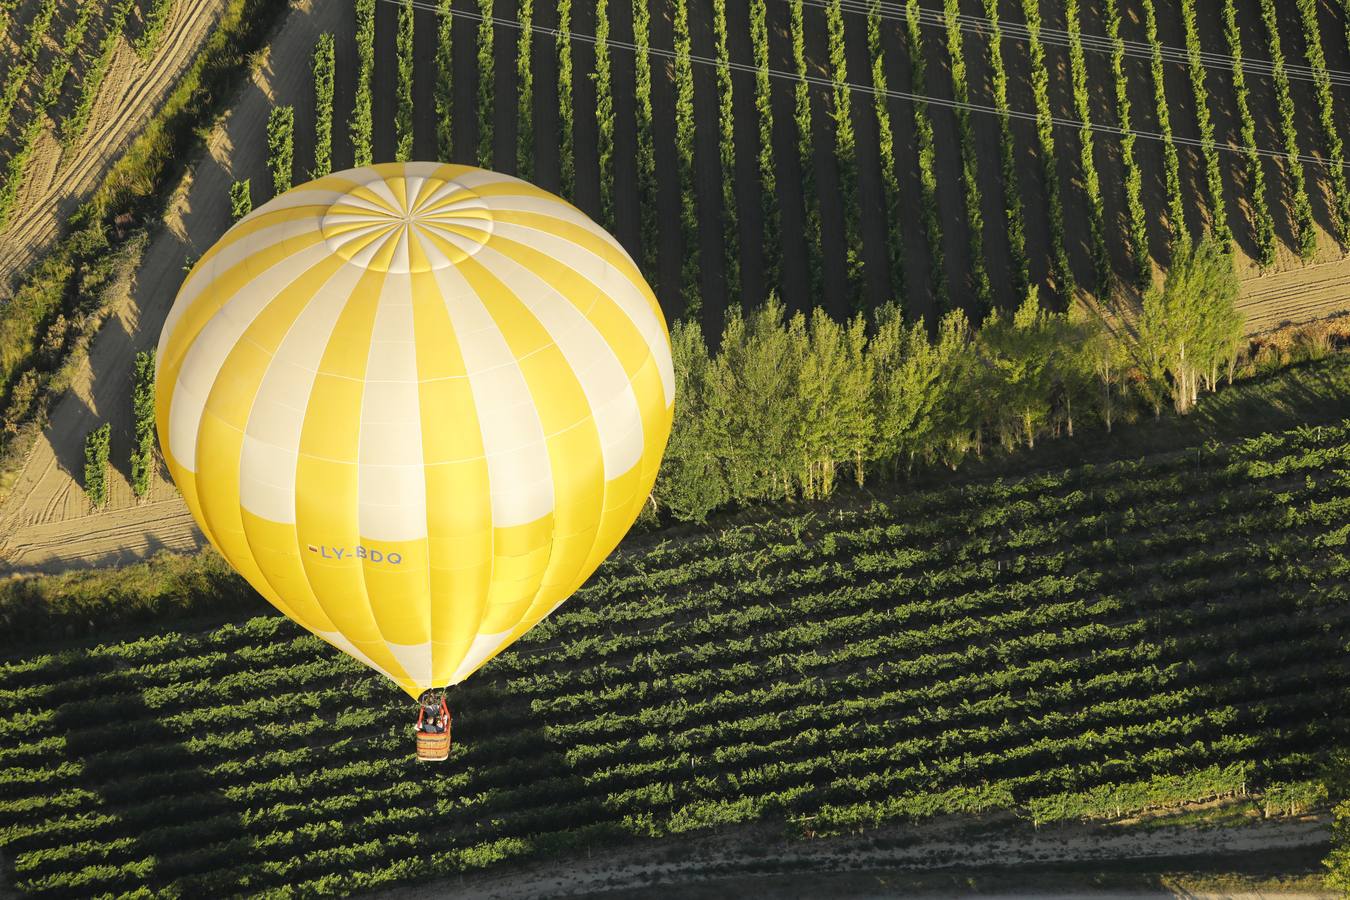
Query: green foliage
(525,90)
(487,90)
(74,124)
(1305,230)
(726,153)
(923,130)
(361,123)
(324,66)
(281,147)
(646,139)
(1190,328)
(1326,109)
(17,74)
(1045,133)
(604,113)
(156,19)
(970,169)
(1012,197)
(801,113)
(1218,213)
(1092,189)
(1257,200)
(768,171)
(1137,236)
(443,93)
(241,199)
(1176,210)
(567,163)
(403,92)
(1078,643)
(684,155)
(1337,788)
(78,274)
(54,73)
(143,413)
(96,464)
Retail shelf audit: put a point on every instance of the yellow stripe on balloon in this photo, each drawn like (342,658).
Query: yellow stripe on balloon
(539,365)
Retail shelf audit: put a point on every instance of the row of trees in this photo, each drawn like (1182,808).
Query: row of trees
(325,65)
(783,403)
(1218,211)
(970,168)
(1137,234)
(1305,229)
(1015,217)
(927,157)
(1092,187)
(1262,221)
(1326,109)
(1176,210)
(1045,134)
(403,90)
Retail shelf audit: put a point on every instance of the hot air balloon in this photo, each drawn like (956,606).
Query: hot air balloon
(415,405)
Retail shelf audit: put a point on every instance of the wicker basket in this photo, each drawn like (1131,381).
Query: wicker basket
(433,746)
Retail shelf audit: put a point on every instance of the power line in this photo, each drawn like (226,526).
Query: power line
(1099,43)
(868,89)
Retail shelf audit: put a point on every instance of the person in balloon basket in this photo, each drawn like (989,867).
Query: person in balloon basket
(430,720)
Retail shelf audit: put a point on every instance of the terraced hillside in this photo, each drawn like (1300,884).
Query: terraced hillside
(1075,643)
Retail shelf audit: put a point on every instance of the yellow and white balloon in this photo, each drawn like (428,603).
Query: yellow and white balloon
(415,405)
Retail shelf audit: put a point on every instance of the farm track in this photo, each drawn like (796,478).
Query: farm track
(46,510)
(128,97)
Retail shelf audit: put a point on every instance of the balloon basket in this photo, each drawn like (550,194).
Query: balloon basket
(433,747)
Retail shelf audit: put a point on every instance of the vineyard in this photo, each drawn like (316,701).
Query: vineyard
(787,172)
(1067,644)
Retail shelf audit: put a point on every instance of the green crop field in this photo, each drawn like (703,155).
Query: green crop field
(1066,643)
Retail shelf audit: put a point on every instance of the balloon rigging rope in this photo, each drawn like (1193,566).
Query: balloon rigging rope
(816,80)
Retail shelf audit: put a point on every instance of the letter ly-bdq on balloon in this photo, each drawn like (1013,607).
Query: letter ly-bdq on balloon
(415,405)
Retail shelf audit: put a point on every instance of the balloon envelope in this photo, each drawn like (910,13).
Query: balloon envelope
(415,405)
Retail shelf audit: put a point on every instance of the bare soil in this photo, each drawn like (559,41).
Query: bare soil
(56,183)
(763,861)
(46,522)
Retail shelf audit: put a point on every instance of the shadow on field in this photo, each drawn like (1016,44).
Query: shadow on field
(149,778)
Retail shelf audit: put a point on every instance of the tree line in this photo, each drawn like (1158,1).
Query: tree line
(784,404)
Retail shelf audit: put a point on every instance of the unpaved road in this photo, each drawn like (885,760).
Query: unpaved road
(46,522)
(750,856)
(131,91)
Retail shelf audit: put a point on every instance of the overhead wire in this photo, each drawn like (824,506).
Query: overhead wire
(819,81)
(983,26)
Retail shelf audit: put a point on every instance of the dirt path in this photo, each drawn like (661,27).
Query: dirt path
(46,521)
(131,91)
(928,847)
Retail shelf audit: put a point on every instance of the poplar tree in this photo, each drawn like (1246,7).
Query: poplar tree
(525,91)
(646,140)
(486,87)
(768,170)
(443,91)
(403,108)
(360,125)
(281,147)
(241,200)
(325,64)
